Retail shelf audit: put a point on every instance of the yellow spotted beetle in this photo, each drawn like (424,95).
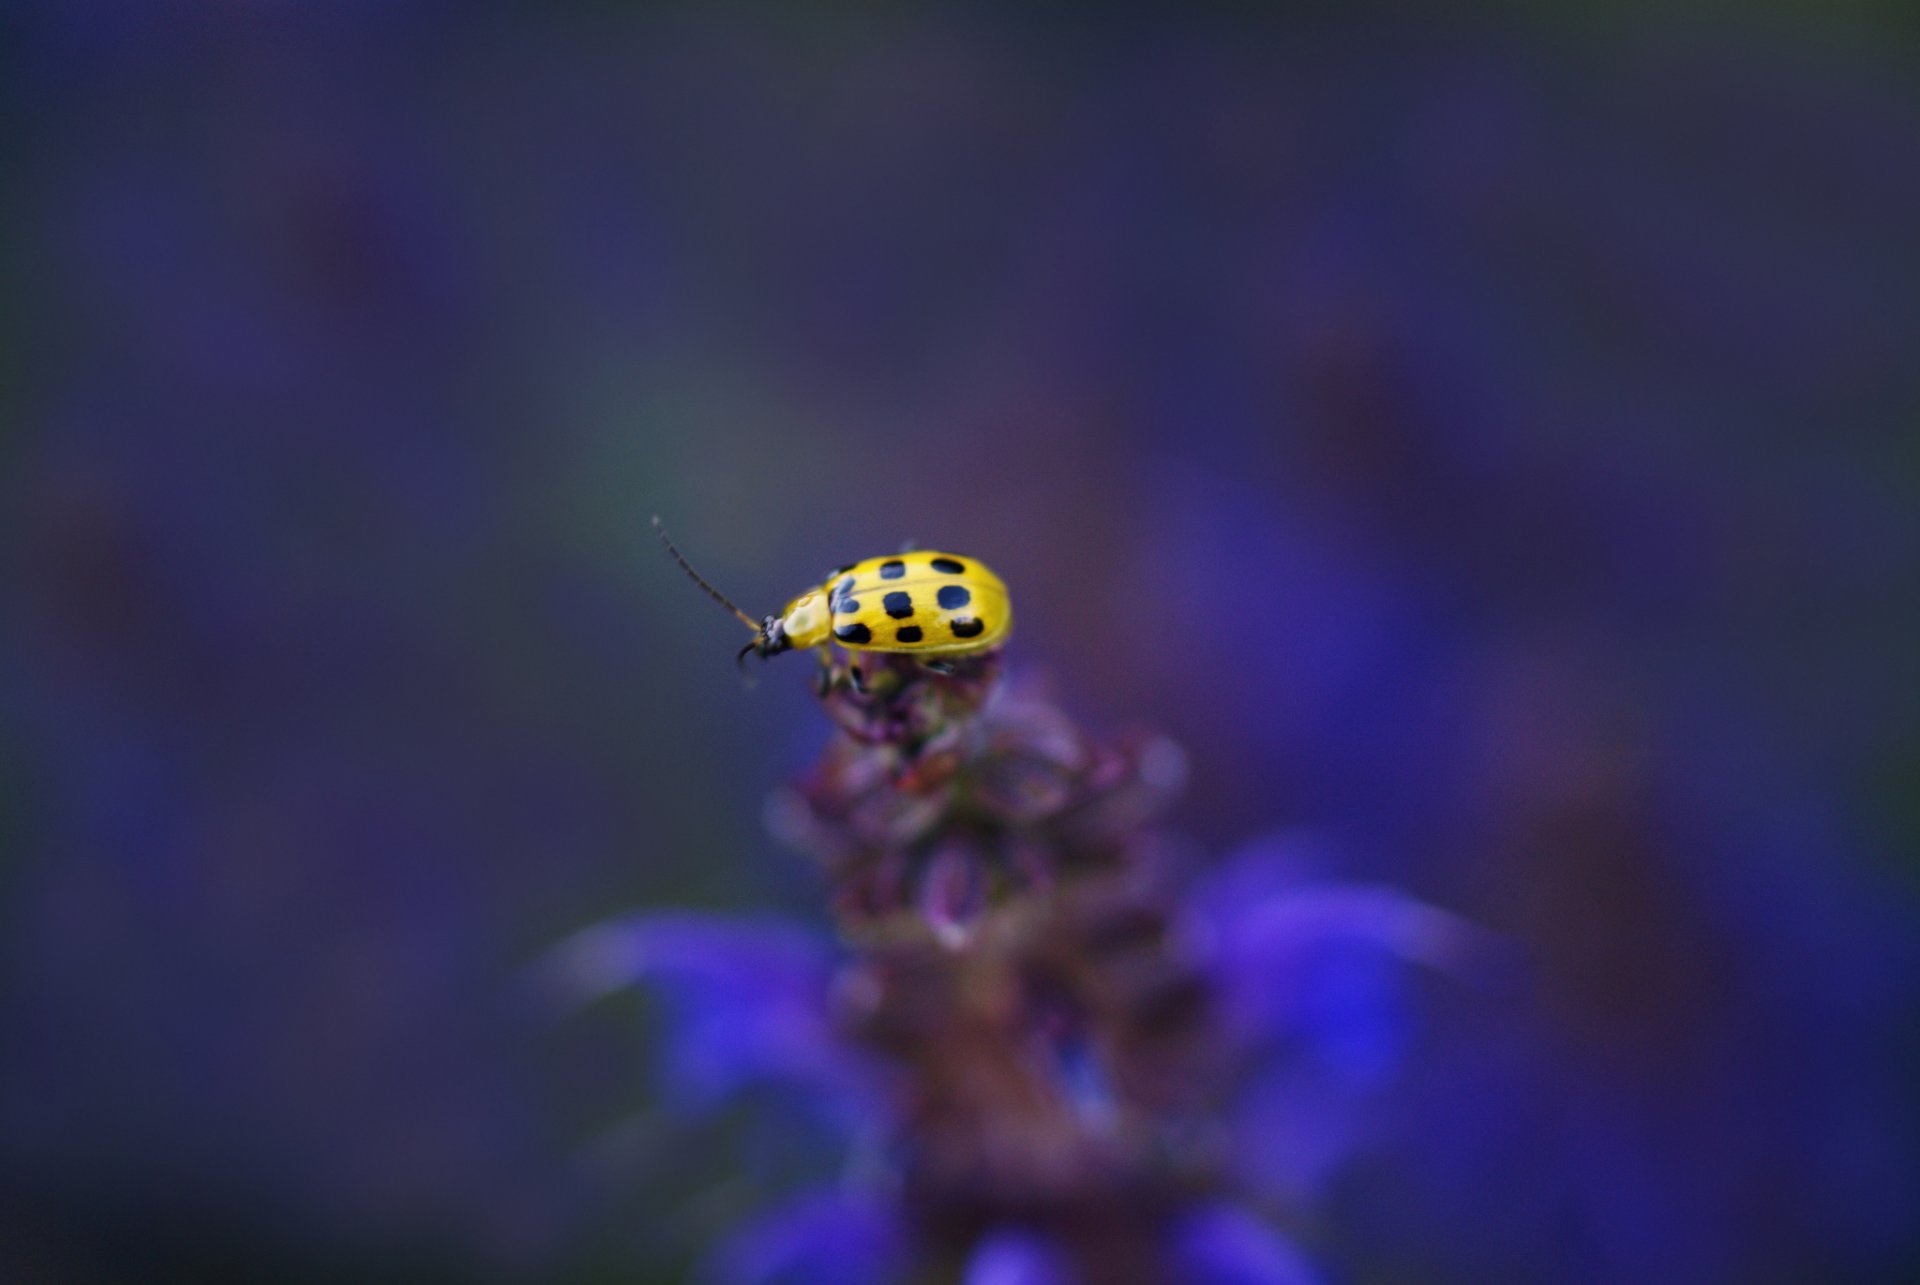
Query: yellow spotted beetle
(920,603)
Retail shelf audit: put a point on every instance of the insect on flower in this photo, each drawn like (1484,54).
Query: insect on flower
(918,603)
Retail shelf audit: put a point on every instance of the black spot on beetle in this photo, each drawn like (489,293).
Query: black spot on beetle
(841,570)
(856,633)
(907,633)
(953,596)
(846,606)
(968,627)
(948,566)
(899,604)
(841,600)
(892,569)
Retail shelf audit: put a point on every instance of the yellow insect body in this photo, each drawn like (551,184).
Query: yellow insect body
(920,603)
(923,603)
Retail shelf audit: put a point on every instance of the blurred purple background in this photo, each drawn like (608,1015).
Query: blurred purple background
(1489,447)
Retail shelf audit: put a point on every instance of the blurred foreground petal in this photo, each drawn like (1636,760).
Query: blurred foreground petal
(1018,1258)
(1222,1245)
(1298,960)
(747,999)
(824,1239)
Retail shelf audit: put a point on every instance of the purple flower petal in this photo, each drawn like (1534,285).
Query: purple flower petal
(1315,961)
(1224,1245)
(822,1239)
(1018,1258)
(747,1002)
(739,954)
(1294,1126)
(1266,897)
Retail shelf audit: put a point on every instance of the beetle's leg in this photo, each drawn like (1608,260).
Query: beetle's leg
(859,679)
(942,667)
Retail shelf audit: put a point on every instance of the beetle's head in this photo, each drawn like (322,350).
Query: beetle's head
(769,640)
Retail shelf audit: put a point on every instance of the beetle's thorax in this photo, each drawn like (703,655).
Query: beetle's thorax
(807,621)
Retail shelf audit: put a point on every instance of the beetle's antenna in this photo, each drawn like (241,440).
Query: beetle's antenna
(700,580)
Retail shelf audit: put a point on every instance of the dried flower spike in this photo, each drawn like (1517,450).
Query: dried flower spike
(1050,1023)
